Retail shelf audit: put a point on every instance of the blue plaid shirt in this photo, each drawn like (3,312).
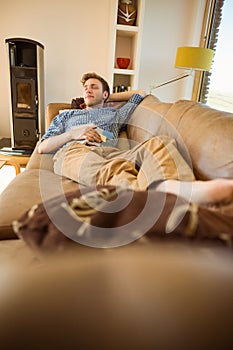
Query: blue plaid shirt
(107,118)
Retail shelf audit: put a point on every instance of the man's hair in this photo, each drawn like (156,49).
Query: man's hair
(93,75)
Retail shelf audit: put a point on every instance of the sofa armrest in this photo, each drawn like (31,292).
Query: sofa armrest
(40,161)
(53,109)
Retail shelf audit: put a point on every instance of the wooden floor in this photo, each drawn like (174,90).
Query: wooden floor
(7,174)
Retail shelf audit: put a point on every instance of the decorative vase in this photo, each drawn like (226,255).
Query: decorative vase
(126,13)
(123,62)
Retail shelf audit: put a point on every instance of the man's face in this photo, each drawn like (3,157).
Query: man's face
(94,96)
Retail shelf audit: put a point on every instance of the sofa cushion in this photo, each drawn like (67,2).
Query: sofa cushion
(149,119)
(203,134)
(207,134)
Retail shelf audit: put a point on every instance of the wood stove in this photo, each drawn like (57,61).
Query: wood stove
(27,92)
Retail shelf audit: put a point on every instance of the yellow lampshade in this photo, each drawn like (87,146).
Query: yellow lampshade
(197,58)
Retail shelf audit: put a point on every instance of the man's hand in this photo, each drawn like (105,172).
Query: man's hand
(82,132)
(85,132)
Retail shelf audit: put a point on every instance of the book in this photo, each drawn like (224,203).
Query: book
(8,151)
(105,135)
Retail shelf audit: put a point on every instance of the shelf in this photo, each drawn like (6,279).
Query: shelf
(124,71)
(126,42)
(127,30)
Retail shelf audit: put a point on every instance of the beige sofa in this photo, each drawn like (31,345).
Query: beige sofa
(204,137)
(146,295)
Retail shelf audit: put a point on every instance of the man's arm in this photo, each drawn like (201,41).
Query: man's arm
(125,96)
(81,132)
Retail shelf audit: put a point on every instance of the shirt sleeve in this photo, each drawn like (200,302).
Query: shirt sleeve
(124,113)
(56,127)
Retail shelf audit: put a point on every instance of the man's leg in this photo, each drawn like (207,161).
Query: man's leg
(78,163)
(150,161)
(118,168)
(118,171)
(161,161)
(91,166)
(158,159)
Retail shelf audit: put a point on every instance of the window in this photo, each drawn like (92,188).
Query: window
(216,86)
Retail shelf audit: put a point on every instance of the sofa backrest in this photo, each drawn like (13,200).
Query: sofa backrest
(203,134)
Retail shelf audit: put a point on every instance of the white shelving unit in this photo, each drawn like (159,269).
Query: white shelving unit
(126,42)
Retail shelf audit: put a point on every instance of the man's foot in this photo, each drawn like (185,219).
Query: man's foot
(213,192)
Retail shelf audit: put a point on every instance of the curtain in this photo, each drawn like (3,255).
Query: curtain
(212,24)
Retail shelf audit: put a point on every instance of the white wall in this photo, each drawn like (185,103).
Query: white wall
(75,34)
(168,25)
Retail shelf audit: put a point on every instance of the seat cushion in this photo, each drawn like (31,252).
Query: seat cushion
(28,188)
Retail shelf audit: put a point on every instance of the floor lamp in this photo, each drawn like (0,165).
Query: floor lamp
(191,58)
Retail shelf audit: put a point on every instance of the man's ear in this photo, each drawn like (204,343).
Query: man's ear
(105,95)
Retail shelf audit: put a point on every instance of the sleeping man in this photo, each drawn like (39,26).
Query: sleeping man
(85,146)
